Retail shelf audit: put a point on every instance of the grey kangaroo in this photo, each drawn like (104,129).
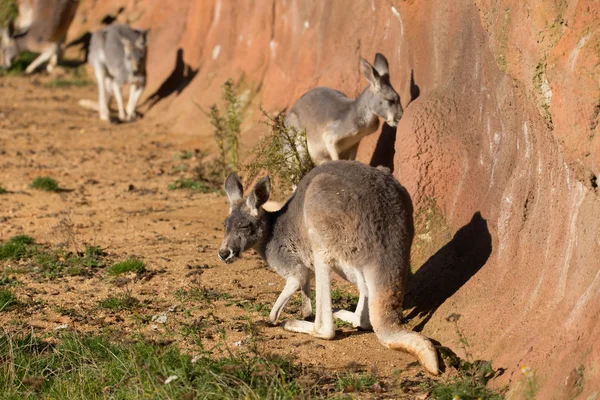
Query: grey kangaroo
(118,56)
(344,216)
(335,123)
(40,27)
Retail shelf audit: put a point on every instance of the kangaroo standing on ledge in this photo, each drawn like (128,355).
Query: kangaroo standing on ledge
(344,216)
(40,27)
(118,56)
(335,123)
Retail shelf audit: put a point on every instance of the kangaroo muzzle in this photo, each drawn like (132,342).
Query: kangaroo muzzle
(227,255)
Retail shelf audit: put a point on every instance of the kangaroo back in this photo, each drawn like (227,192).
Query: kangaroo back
(361,218)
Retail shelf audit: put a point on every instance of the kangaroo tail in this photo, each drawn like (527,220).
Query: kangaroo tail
(385,314)
(89,104)
(415,344)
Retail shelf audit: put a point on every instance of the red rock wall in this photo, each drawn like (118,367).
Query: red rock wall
(502,140)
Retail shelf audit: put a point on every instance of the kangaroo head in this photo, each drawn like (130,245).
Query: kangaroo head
(8,45)
(384,101)
(135,52)
(246,225)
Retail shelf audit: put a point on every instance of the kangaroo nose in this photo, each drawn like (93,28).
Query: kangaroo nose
(225,254)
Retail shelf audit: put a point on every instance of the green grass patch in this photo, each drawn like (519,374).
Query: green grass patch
(45,183)
(191,184)
(355,382)
(3,190)
(123,267)
(7,299)
(16,248)
(120,302)
(87,367)
(19,64)
(76,78)
(52,263)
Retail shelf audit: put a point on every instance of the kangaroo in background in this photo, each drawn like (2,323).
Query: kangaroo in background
(40,27)
(118,56)
(344,216)
(335,123)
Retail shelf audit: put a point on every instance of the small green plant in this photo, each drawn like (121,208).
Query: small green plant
(16,248)
(3,190)
(19,64)
(45,183)
(281,153)
(131,265)
(7,298)
(191,184)
(124,301)
(355,382)
(77,78)
(227,129)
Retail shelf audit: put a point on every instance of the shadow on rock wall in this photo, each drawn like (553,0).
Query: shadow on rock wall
(448,270)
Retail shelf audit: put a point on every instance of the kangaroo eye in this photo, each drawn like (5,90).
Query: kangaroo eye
(244,226)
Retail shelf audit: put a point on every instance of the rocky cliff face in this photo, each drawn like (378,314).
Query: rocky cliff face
(498,147)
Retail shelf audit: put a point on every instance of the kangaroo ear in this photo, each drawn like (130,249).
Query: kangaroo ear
(259,196)
(370,73)
(381,64)
(234,188)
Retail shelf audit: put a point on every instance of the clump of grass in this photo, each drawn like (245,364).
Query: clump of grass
(57,263)
(282,153)
(95,367)
(3,190)
(123,267)
(7,298)
(52,263)
(123,301)
(355,382)
(8,12)
(191,184)
(19,64)
(16,248)
(45,183)
(77,78)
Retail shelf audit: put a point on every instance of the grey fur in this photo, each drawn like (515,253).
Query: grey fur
(344,217)
(118,56)
(40,27)
(335,123)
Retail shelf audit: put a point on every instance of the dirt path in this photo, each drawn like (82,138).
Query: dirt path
(115,179)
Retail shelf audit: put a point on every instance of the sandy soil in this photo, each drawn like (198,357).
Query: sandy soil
(115,196)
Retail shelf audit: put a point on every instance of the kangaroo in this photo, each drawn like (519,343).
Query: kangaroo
(118,56)
(335,123)
(40,28)
(344,216)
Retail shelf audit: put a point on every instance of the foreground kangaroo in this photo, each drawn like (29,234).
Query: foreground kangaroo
(118,56)
(40,28)
(335,123)
(344,216)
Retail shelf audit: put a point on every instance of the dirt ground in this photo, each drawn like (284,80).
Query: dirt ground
(114,179)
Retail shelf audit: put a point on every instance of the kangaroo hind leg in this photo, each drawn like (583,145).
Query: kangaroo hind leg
(360,317)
